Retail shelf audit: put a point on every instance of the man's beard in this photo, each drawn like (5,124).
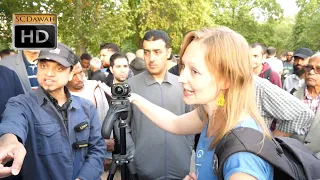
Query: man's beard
(298,71)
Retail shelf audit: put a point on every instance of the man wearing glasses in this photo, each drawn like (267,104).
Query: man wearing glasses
(301,58)
(310,95)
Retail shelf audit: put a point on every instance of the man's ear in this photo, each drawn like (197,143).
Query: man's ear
(71,75)
(169,53)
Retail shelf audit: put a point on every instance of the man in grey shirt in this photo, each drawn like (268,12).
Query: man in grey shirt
(159,154)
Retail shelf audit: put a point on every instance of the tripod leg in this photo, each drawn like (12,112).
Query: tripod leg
(132,171)
(124,175)
(112,170)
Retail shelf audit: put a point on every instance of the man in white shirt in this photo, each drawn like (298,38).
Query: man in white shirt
(90,89)
(275,64)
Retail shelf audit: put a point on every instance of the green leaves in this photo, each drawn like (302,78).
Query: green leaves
(85,24)
(306,32)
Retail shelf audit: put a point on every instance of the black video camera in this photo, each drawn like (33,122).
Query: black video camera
(120,90)
(120,93)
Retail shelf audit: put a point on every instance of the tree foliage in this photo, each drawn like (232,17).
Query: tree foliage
(7,8)
(254,19)
(176,17)
(85,24)
(306,32)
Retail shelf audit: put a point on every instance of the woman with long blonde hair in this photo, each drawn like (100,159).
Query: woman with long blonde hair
(216,75)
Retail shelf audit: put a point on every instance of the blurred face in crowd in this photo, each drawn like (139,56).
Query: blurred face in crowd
(120,70)
(105,55)
(298,64)
(85,63)
(52,76)
(312,72)
(199,85)
(31,55)
(256,56)
(32,51)
(283,57)
(155,55)
(289,56)
(77,80)
(139,53)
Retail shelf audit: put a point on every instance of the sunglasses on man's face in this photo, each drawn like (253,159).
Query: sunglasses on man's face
(309,67)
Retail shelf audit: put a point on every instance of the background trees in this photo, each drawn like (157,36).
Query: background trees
(85,24)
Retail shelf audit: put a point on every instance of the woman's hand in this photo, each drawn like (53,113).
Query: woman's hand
(133,97)
(191,176)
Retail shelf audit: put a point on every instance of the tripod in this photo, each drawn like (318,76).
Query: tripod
(119,111)
(123,159)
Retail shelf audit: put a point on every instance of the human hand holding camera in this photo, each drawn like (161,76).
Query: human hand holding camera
(110,144)
(133,98)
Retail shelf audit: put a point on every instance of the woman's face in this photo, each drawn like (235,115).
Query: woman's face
(199,86)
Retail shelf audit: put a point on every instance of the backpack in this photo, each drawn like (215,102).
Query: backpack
(267,74)
(289,157)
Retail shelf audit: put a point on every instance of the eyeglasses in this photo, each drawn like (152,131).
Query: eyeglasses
(309,67)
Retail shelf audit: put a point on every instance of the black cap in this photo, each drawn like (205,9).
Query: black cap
(62,55)
(303,53)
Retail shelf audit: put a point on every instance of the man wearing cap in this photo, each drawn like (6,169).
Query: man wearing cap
(48,133)
(301,58)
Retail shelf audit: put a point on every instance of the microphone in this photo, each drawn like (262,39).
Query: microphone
(293,90)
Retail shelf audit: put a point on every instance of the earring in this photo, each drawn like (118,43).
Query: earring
(221,100)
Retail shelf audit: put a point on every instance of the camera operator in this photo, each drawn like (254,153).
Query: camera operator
(49,133)
(119,67)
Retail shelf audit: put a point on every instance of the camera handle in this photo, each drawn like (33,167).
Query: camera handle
(117,108)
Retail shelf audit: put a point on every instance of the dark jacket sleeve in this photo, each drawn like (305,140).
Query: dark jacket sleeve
(14,119)
(17,84)
(275,79)
(93,165)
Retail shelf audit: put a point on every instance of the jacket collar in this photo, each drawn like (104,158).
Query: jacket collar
(43,98)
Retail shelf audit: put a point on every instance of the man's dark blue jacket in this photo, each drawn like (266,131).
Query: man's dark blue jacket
(10,86)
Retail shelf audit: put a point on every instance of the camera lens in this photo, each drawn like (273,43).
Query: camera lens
(119,90)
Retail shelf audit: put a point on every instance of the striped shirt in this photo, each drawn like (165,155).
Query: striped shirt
(294,116)
(313,103)
(32,73)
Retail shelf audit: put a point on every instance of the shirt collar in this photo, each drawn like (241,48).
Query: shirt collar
(308,96)
(149,79)
(44,97)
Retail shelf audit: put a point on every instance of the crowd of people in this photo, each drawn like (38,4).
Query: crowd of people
(53,103)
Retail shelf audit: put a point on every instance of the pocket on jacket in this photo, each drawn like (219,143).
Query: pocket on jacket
(49,140)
